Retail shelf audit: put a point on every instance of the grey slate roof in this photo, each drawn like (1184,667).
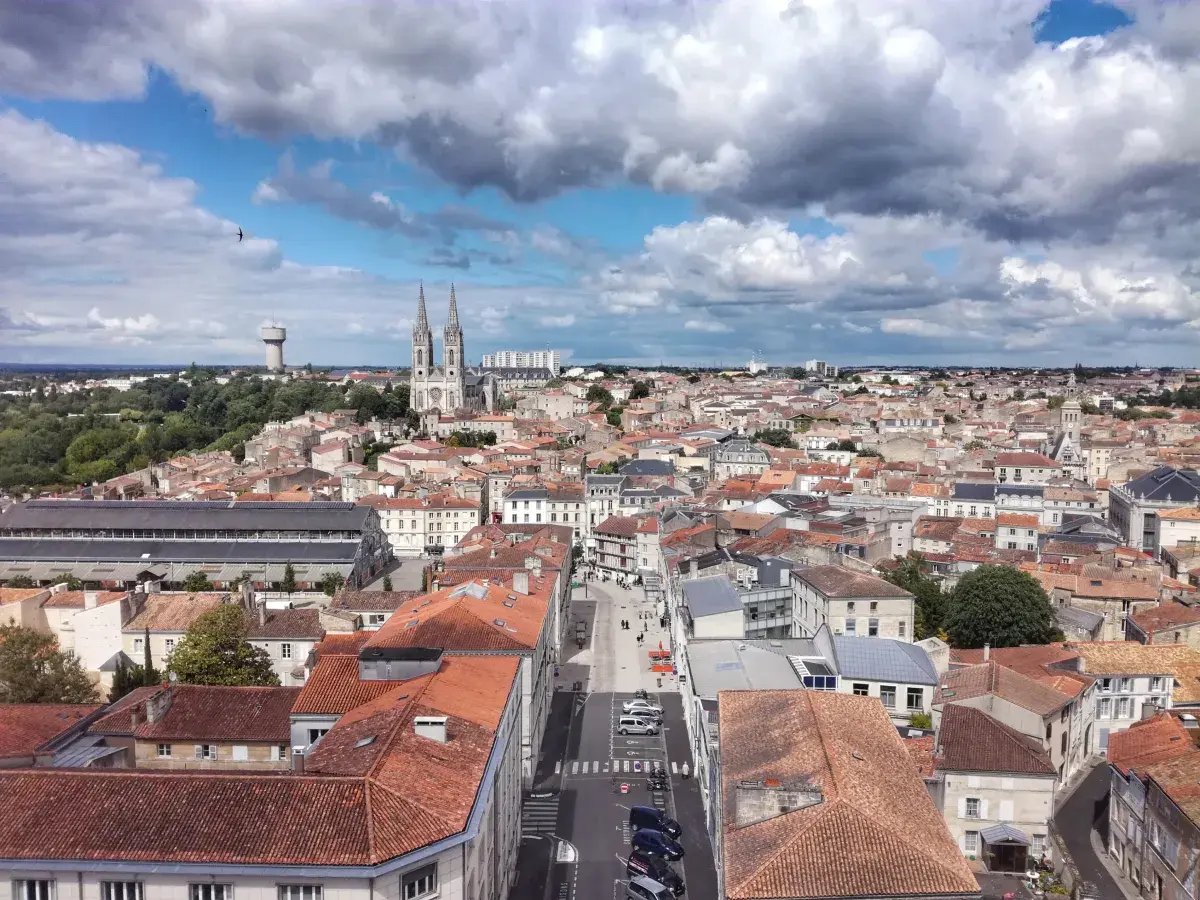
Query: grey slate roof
(1021,490)
(1166,485)
(648,467)
(973,490)
(883,659)
(1080,618)
(710,596)
(147,553)
(190,515)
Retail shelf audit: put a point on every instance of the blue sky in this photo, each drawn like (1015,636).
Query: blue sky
(900,182)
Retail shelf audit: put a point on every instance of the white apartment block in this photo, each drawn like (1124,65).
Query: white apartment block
(413,525)
(524,359)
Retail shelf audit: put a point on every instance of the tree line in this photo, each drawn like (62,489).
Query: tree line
(54,438)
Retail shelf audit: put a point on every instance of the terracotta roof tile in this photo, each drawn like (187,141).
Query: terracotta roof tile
(26,726)
(875,832)
(220,713)
(836,581)
(969,740)
(1165,617)
(78,599)
(1148,742)
(173,612)
(990,677)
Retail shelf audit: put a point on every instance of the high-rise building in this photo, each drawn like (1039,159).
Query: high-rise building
(821,368)
(524,359)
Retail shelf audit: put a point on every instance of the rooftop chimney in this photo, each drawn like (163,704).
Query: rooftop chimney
(89,599)
(432,727)
(262,614)
(757,801)
(157,706)
(987,652)
(520,583)
(298,759)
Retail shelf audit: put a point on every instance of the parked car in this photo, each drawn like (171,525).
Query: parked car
(636,725)
(655,867)
(653,818)
(655,842)
(642,707)
(642,888)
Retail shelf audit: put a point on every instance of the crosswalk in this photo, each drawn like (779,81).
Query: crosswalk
(610,766)
(539,815)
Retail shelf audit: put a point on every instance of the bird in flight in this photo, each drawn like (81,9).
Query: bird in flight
(240,235)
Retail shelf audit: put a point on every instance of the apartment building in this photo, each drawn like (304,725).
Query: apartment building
(558,505)
(415,526)
(412,792)
(1135,506)
(524,359)
(851,603)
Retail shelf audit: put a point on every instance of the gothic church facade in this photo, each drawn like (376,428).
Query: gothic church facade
(451,386)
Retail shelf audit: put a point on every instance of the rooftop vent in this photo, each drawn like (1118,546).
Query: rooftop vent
(499,623)
(432,727)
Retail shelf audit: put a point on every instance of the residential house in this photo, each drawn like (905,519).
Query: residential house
(615,549)
(1015,531)
(165,618)
(288,636)
(26,729)
(372,608)
(562,504)
(419,525)
(1167,623)
(739,456)
(996,789)
(1025,467)
(712,609)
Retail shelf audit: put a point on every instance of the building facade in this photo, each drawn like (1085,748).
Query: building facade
(524,359)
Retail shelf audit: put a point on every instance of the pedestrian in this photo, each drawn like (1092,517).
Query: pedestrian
(685,770)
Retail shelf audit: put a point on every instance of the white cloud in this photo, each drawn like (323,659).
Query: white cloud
(565,321)
(709,325)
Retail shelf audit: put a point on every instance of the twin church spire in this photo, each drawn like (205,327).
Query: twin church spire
(452,342)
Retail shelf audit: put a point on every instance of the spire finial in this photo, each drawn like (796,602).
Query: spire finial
(452,319)
(422,323)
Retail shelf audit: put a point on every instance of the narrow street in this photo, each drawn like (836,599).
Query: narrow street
(575,829)
(1085,810)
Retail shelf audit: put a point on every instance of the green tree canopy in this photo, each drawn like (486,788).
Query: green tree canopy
(288,584)
(639,390)
(215,651)
(930,605)
(20,581)
(331,582)
(599,394)
(197,582)
(1001,606)
(844,444)
(774,437)
(34,670)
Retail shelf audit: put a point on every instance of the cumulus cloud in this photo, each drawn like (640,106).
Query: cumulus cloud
(881,105)
(564,321)
(710,325)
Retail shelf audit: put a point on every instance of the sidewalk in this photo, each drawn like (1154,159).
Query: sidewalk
(612,659)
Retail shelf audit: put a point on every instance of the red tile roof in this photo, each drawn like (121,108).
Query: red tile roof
(406,791)
(173,612)
(875,832)
(969,740)
(26,726)
(78,599)
(1148,742)
(221,713)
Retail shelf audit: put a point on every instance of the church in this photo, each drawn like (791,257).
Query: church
(452,386)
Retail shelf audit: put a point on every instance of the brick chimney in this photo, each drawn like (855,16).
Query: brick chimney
(157,706)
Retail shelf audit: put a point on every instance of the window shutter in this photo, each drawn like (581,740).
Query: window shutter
(983,809)
(962,807)
(1006,810)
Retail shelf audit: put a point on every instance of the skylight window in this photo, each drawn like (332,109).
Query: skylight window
(364,741)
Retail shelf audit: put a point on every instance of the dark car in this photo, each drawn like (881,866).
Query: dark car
(654,819)
(655,867)
(656,843)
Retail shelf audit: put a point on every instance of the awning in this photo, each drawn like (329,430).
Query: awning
(1004,834)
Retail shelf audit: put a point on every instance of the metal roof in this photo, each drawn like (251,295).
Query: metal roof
(1021,490)
(1006,834)
(710,596)
(149,552)
(716,666)
(974,490)
(185,515)
(1166,485)
(883,659)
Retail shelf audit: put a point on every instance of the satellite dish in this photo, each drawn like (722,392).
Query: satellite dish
(172,677)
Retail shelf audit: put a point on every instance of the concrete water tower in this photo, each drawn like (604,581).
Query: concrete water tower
(274,336)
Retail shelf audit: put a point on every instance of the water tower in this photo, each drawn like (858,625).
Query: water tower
(274,336)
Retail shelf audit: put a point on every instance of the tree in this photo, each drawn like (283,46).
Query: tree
(845,444)
(974,445)
(387,583)
(921,720)
(774,437)
(639,390)
(215,651)
(1001,606)
(950,419)
(70,581)
(150,675)
(288,584)
(613,416)
(20,581)
(598,394)
(34,670)
(930,605)
(331,582)
(197,582)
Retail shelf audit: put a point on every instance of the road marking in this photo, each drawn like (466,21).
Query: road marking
(585,769)
(674,767)
(558,767)
(575,767)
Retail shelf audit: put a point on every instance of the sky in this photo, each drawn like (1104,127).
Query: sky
(640,181)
